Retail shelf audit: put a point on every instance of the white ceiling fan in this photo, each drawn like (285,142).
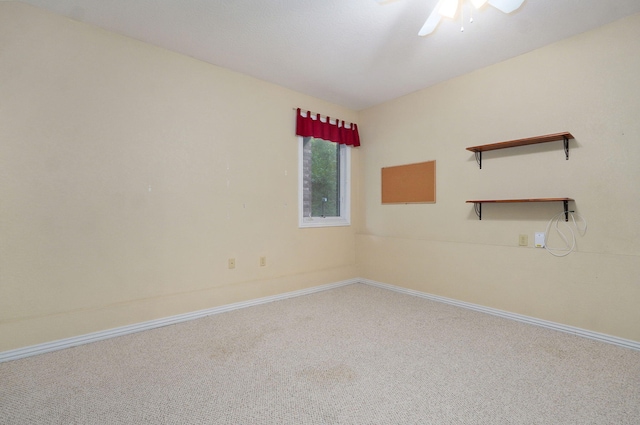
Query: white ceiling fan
(449,9)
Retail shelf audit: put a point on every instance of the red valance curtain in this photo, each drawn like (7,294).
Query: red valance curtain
(314,127)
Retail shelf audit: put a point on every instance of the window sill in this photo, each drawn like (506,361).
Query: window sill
(324,222)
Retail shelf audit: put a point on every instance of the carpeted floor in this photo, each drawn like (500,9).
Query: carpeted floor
(352,355)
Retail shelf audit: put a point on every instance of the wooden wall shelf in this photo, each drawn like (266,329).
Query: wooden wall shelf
(477,203)
(564,137)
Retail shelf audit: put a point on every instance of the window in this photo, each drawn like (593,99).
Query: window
(324,170)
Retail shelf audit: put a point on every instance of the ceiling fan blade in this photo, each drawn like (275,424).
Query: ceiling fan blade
(432,21)
(506,6)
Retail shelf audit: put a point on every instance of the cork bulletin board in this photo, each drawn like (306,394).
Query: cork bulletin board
(409,184)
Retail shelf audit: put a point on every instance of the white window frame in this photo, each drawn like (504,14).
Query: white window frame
(345,191)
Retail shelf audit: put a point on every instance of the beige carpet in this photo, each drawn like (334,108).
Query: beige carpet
(352,355)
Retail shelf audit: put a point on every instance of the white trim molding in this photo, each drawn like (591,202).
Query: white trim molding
(152,324)
(627,343)
(61,344)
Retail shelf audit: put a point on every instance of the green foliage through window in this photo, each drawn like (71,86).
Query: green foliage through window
(324,179)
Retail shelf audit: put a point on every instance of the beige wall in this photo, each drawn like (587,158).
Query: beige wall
(89,121)
(588,85)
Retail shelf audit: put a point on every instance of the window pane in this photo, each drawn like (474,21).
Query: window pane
(321,178)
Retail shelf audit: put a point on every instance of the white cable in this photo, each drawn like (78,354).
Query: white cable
(570,243)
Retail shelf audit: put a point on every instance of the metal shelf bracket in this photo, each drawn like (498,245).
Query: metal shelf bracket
(477,206)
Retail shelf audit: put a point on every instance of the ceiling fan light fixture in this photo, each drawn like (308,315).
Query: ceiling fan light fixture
(448,8)
(478,3)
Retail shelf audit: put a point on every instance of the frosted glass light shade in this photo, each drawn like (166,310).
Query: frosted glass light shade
(448,8)
(478,3)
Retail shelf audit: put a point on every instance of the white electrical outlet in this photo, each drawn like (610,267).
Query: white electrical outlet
(539,239)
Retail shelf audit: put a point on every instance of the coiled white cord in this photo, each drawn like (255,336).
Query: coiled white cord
(569,241)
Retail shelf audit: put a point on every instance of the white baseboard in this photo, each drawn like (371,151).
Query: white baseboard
(152,324)
(627,343)
(61,344)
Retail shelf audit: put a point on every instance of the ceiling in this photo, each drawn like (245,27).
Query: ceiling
(355,53)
